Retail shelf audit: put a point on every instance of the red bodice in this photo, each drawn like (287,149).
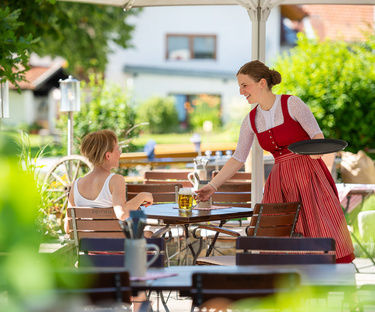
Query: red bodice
(277,139)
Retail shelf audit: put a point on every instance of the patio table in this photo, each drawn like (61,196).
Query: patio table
(329,277)
(171,215)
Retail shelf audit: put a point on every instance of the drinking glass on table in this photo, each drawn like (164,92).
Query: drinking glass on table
(185,198)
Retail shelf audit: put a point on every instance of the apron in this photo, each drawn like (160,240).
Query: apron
(299,178)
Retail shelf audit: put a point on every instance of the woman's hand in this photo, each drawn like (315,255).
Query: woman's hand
(205,193)
(147,199)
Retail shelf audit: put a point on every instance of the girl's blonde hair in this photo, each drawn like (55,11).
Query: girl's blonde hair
(96,144)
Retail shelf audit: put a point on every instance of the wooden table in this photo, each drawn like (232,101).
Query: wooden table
(170,214)
(331,277)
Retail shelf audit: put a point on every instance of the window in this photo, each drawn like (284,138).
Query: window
(186,47)
(196,110)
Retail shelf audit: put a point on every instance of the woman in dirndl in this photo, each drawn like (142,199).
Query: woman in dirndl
(278,121)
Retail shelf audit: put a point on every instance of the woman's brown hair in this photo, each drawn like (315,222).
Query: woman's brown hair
(258,70)
(96,144)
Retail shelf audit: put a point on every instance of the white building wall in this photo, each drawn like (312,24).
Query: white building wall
(231,25)
(160,85)
(20,108)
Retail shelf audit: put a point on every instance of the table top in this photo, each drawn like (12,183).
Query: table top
(323,275)
(170,214)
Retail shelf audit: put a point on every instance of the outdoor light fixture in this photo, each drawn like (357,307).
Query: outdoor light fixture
(70,102)
(4,98)
(70,95)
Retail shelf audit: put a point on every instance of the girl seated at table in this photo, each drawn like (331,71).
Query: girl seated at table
(100,188)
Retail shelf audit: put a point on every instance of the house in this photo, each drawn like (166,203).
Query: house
(191,50)
(187,51)
(35,104)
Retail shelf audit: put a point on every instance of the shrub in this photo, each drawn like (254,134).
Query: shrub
(103,106)
(337,81)
(160,113)
(205,108)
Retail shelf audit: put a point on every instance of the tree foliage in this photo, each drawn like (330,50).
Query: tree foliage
(83,34)
(102,107)
(160,114)
(337,81)
(13,48)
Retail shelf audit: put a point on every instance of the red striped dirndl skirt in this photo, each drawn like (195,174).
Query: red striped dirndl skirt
(301,178)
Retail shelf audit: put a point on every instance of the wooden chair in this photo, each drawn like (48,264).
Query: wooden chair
(162,193)
(109,252)
(283,250)
(100,287)
(233,195)
(167,177)
(104,290)
(239,177)
(277,220)
(87,222)
(235,286)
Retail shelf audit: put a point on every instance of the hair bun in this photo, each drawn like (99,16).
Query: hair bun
(275,77)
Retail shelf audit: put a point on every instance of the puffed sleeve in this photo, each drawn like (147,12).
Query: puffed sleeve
(300,112)
(245,141)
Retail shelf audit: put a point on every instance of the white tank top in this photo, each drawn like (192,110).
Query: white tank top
(103,200)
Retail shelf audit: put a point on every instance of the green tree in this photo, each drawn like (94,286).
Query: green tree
(205,107)
(160,114)
(103,107)
(83,34)
(13,48)
(337,80)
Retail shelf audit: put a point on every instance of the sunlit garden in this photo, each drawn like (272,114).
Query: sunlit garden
(41,242)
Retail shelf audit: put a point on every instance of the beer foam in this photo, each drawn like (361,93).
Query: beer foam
(185,191)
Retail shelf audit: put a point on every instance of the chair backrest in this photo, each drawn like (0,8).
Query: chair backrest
(283,250)
(275,219)
(233,194)
(99,286)
(109,252)
(239,177)
(235,286)
(162,193)
(87,222)
(167,177)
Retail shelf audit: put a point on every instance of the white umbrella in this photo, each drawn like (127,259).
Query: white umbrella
(258,11)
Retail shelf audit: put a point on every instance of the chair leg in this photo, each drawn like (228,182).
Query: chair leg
(163,301)
(211,246)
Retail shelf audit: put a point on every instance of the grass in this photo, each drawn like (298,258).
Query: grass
(52,149)
(181,138)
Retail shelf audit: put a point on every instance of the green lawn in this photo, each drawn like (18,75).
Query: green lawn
(181,138)
(36,141)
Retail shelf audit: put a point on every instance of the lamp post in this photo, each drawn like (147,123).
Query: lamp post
(70,102)
(4,98)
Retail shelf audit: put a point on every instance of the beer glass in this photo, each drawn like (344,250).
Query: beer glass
(185,198)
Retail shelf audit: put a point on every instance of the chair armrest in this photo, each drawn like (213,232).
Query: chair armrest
(161,232)
(216,229)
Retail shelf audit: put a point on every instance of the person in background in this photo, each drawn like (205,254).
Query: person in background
(100,188)
(278,121)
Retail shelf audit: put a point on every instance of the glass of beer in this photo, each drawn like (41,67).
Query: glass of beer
(185,198)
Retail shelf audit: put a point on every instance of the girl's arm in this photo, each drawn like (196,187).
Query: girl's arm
(122,207)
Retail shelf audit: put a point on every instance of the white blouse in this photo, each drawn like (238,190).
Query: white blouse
(265,120)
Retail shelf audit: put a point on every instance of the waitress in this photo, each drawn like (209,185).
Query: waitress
(278,121)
